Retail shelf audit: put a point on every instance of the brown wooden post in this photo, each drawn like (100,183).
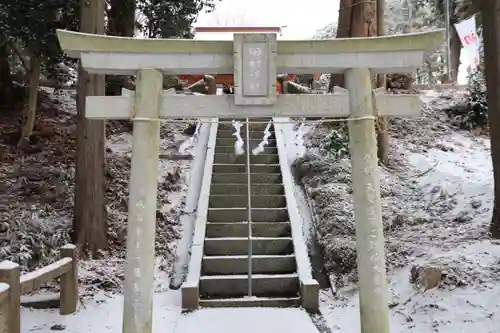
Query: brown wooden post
(10,274)
(4,297)
(69,282)
(211,84)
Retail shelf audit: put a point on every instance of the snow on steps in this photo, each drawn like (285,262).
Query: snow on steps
(281,275)
(238,264)
(250,302)
(240,229)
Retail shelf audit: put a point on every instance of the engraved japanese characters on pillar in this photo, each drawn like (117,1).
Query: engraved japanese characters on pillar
(255,69)
(255,78)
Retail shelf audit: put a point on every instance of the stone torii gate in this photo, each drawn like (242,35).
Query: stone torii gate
(254,59)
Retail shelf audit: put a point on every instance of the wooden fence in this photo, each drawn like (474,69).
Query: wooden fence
(13,285)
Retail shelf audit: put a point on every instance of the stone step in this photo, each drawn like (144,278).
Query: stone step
(229,142)
(237,168)
(239,246)
(257,189)
(253,134)
(242,159)
(251,302)
(232,149)
(257,201)
(242,178)
(276,285)
(261,264)
(240,229)
(241,214)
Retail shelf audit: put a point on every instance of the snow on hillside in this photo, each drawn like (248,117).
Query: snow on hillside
(38,201)
(437,201)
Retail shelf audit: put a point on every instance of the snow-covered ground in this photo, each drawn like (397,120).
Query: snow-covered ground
(439,188)
(103,314)
(457,243)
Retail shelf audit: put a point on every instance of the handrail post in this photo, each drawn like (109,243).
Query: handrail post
(10,273)
(69,282)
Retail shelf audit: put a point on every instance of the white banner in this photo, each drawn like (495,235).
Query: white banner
(468,37)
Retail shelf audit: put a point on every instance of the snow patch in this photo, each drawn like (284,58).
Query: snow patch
(238,145)
(261,146)
(262,320)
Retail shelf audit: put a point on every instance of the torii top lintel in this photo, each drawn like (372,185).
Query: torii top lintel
(125,56)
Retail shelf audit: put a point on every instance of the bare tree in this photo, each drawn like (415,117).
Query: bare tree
(343,31)
(90,215)
(358,18)
(121,22)
(490,12)
(382,130)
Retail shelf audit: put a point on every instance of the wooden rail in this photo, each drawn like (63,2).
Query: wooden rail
(13,285)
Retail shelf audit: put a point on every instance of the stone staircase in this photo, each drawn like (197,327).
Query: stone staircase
(225,266)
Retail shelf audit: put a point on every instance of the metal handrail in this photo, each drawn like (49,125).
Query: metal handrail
(249,184)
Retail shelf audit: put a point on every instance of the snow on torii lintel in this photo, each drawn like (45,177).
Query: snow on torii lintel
(238,29)
(226,33)
(125,56)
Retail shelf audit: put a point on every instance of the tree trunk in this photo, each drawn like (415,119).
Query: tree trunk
(382,130)
(90,215)
(357,18)
(30,109)
(121,22)
(490,12)
(343,31)
(5,76)
(121,18)
(364,19)
(456,47)
(364,23)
